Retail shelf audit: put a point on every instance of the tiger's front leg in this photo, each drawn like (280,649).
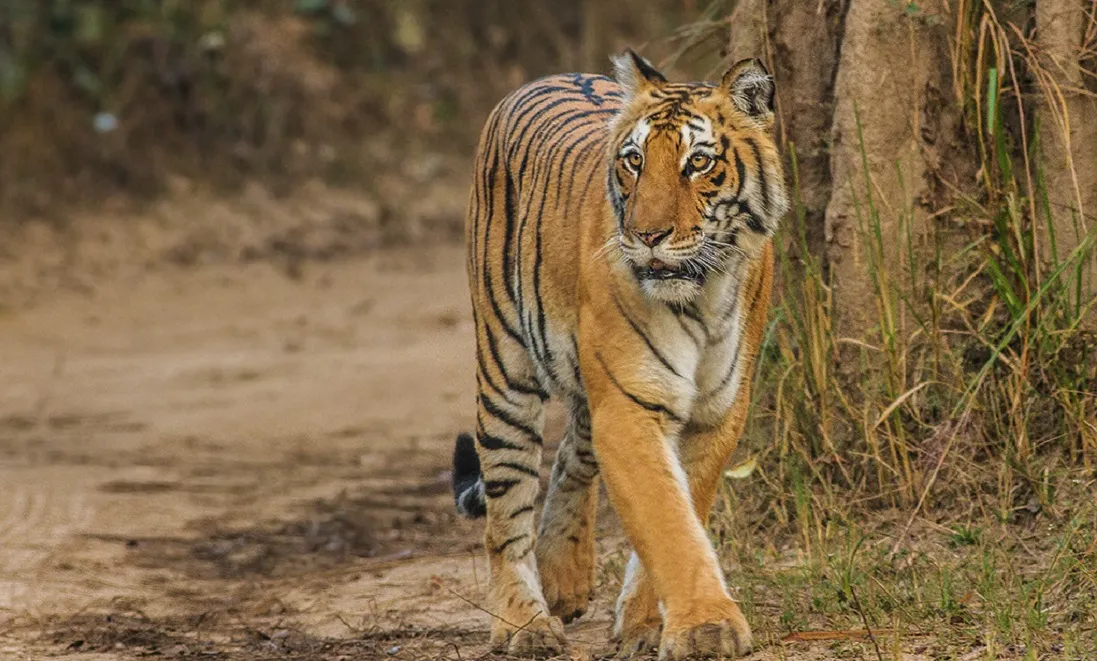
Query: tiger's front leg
(633,439)
(703,453)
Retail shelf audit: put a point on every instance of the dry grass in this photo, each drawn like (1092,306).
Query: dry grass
(943,480)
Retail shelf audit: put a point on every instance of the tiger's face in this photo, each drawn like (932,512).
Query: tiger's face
(694,174)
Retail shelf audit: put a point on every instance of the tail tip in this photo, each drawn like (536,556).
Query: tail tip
(468,487)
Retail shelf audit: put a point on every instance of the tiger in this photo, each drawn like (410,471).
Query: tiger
(619,259)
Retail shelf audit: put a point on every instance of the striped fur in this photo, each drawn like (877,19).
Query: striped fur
(619,258)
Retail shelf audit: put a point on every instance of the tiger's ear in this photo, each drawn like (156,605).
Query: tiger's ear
(634,73)
(750,87)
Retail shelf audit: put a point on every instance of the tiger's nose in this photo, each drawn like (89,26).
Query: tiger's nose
(652,239)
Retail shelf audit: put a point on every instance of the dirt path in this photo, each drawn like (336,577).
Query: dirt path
(231,445)
(227,463)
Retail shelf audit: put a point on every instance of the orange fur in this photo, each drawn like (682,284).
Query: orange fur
(620,259)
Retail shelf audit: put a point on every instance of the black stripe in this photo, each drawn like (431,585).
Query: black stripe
(520,511)
(650,406)
(689,331)
(517,142)
(581,425)
(489,287)
(728,314)
(537,294)
(494,409)
(592,142)
(483,375)
(493,347)
(586,458)
(740,171)
(756,295)
(498,488)
(617,201)
(727,377)
(521,468)
(529,102)
(643,336)
(689,310)
(753,221)
(574,479)
(490,442)
(511,210)
(502,547)
(762,181)
(575,363)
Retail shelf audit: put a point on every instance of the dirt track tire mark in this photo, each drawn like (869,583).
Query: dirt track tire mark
(34,519)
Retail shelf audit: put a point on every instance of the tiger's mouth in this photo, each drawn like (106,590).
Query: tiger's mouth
(657,270)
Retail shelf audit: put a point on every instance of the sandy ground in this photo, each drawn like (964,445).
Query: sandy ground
(224,462)
(228,462)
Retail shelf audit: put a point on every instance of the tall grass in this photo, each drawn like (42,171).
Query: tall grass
(947,480)
(978,361)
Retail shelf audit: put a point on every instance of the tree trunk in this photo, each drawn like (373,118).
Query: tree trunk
(889,63)
(806,40)
(835,60)
(866,96)
(1068,128)
(799,42)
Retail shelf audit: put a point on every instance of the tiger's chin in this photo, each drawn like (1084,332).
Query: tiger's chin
(671,291)
(668,283)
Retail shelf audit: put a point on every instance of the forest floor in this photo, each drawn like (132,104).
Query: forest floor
(226,461)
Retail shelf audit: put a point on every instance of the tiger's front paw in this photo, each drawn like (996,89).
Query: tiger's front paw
(541,636)
(719,631)
(567,576)
(640,638)
(638,623)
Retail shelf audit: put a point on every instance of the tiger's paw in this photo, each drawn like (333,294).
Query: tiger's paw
(541,636)
(638,623)
(567,577)
(725,635)
(640,639)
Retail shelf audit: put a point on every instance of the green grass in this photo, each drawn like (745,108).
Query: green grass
(1023,588)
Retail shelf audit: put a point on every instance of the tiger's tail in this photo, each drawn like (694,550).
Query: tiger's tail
(468,480)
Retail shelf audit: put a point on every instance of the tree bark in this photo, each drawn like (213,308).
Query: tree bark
(1068,130)
(799,41)
(806,40)
(890,62)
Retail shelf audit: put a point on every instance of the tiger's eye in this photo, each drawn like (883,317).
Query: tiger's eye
(700,161)
(634,159)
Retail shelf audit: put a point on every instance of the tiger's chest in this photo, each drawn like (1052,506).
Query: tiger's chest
(703,346)
(691,356)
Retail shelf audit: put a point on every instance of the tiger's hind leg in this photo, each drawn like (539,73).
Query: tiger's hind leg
(565,544)
(508,453)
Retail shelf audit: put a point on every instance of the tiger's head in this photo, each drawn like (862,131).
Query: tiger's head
(694,174)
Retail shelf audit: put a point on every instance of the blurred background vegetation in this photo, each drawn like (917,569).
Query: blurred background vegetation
(98,97)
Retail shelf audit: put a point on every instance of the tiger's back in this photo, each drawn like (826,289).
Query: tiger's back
(539,171)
